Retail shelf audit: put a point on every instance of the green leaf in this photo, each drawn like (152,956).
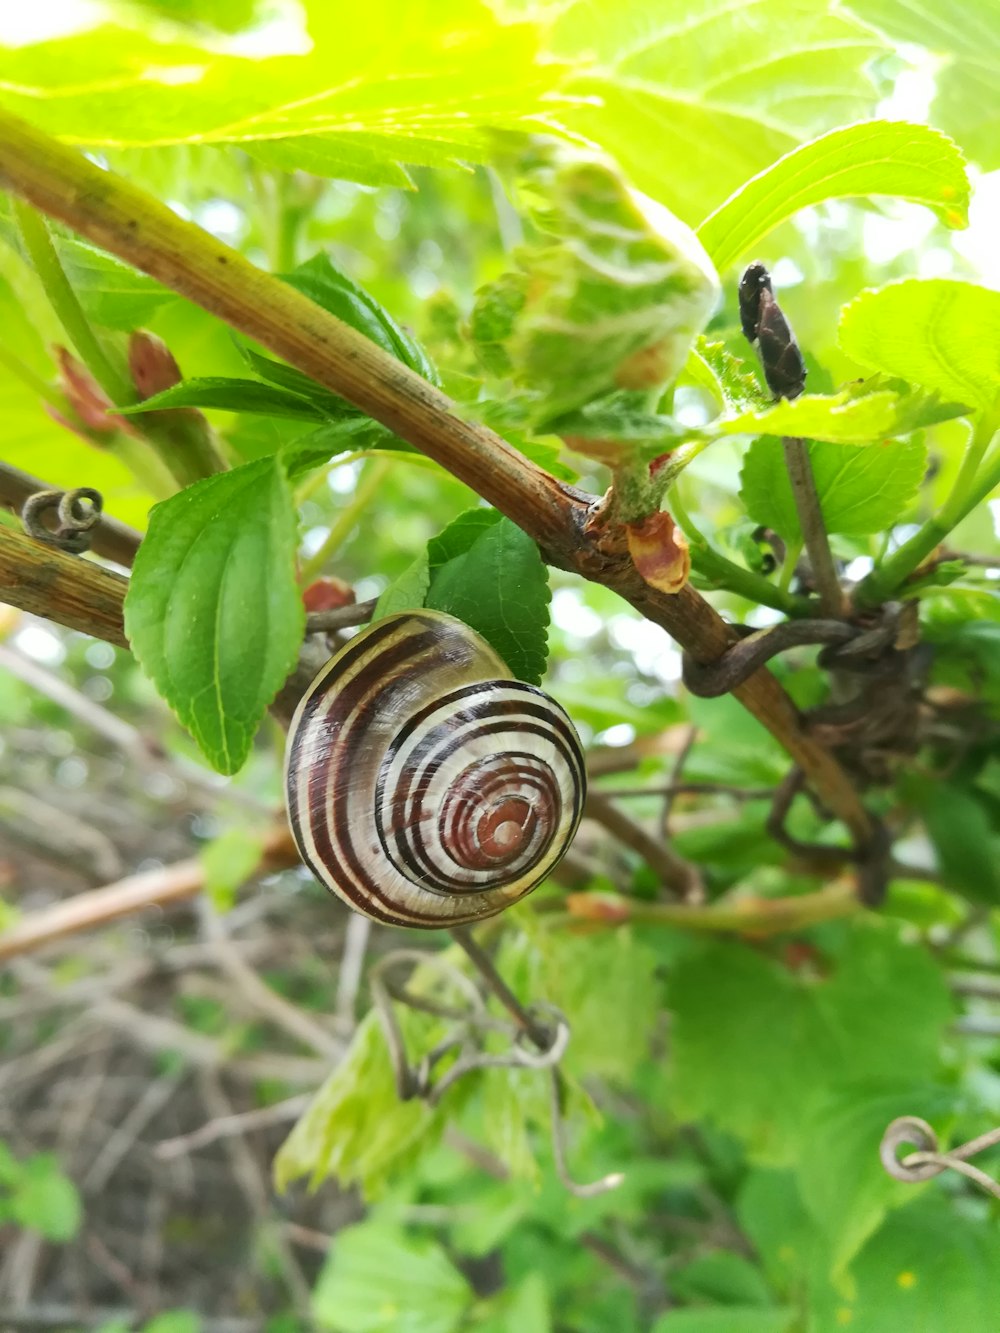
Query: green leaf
(693,103)
(877,157)
(228,861)
(935,332)
(929,1267)
(391,82)
(611,296)
(382,1279)
(961,831)
(287,377)
(727,1319)
(174,1321)
(113,294)
(408,591)
(757,1048)
(213,612)
(45,1200)
(356,1129)
(721,1276)
(336,293)
(860,490)
(487,572)
(857,414)
(844,1190)
(230,395)
(967,38)
(729,379)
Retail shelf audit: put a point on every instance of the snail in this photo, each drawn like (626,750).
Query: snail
(425,785)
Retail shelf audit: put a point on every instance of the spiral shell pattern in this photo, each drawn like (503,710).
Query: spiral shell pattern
(425,785)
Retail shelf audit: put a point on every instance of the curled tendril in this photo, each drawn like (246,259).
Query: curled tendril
(537,1041)
(76,513)
(928,1160)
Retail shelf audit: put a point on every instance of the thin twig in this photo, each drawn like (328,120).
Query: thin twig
(240,1122)
(807,504)
(168,884)
(680,876)
(340,617)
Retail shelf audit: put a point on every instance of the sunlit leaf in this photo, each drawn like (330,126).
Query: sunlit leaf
(693,100)
(938,333)
(877,157)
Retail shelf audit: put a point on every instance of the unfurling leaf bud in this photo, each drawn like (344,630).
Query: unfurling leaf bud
(151,364)
(328,594)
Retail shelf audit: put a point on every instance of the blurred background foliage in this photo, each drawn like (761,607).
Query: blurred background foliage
(149,1072)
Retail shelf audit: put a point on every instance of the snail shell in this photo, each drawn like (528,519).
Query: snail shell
(426,786)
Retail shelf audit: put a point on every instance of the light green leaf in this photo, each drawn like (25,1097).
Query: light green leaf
(408,591)
(877,157)
(727,1319)
(228,861)
(929,1267)
(113,294)
(729,379)
(497,584)
(844,1190)
(356,1129)
(381,1279)
(721,1276)
(860,490)
(174,1321)
(693,101)
(213,612)
(856,415)
(391,72)
(230,395)
(936,332)
(757,1049)
(967,38)
(45,1200)
(611,297)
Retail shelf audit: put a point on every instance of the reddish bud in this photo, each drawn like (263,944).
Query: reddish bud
(659,551)
(151,364)
(88,401)
(328,595)
(660,462)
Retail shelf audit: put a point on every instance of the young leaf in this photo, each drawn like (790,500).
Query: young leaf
(335,292)
(857,414)
(408,591)
(731,381)
(938,333)
(356,1129)
(877,157)
(487,572)
(231,395)
(860,490)
(963,837)
(382,1277)
(213,611)
(611,297)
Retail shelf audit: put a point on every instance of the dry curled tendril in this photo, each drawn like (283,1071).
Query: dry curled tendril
(928,1160)
(538,1037)
(75,513)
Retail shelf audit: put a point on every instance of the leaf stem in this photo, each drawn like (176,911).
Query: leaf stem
(970,488)
(743,916)
(810,514)
(365,491)
(42,252)
(725,573)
